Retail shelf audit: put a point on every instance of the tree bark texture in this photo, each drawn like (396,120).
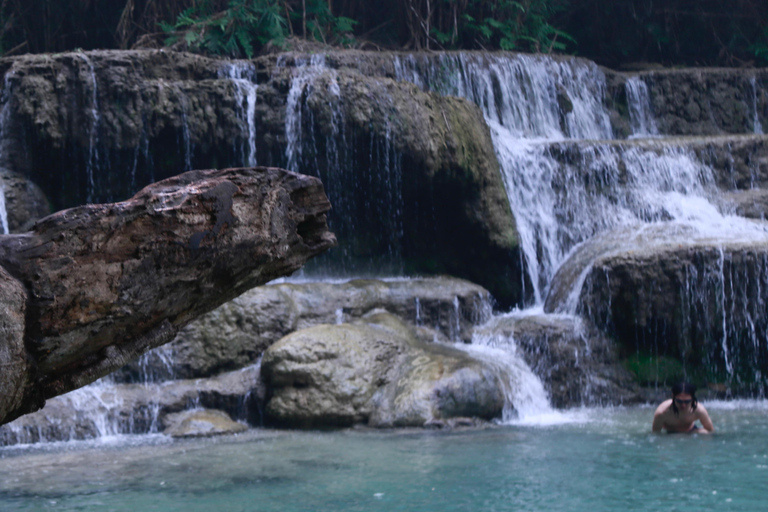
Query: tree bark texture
(94,287)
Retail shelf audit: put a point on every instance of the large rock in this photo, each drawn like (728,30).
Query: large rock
(25,202)
(578,364)
(104,408)
(238,332)
(689,293)
(376,373)
(106,283)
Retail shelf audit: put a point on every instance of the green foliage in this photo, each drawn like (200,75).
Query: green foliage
(506,24)
(238,30)
(760,48)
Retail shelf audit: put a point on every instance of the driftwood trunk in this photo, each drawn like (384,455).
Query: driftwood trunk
(93,287)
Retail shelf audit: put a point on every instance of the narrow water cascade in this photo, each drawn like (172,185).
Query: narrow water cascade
(361,171)
(243,76)
(3,210)
(757,126)
(92,164)
(641,117)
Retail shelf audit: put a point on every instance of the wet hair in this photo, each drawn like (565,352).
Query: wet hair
(688,389)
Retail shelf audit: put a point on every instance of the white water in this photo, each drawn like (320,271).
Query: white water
(243,76)
(3,210)
(641,118)
(757,127)
(306,71)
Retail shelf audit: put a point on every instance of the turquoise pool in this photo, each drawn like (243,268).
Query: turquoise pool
(594,459)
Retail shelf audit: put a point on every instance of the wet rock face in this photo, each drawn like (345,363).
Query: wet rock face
(109,282)
(96,126)
(237,333)
(377,373)
(578,364)
(680,296)
(697,101)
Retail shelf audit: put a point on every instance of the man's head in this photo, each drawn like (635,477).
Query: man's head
(684,397)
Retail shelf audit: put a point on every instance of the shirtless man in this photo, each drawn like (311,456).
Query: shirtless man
(680,413)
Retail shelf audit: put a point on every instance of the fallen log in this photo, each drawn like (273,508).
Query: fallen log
(93,287)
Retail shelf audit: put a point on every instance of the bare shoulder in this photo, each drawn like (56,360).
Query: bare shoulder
(663,407)
(701,411)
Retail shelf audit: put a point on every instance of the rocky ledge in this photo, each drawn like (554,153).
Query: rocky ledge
(93,287)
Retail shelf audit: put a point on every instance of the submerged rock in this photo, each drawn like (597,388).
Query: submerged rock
(377,373)
(201,423)
(109,282)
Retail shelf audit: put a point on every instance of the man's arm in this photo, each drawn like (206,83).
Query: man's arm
(706,422)
(658,421)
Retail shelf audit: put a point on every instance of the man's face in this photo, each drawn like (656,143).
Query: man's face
(683,402)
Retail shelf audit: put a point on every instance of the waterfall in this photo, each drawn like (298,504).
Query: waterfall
(361,171)
(243,76)
(3,210)
(757,127)
(92,164)
(639,103)
(568,183)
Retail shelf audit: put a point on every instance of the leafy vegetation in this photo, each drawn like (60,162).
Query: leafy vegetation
(506,24)
(240,29)
(612,32)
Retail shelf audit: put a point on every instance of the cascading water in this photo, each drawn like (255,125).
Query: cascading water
(640,115)
(757,127)
(564,182)
(361,173)
(92,164)
(243,76)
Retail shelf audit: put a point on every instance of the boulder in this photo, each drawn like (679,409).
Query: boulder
(25,202)
(238,332)
(106,283)
(686,292)
(375,373)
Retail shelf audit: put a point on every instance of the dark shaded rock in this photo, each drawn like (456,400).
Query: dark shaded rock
(375,373)
(671,290)
(25,203)
(109,282)
(238,332)
(578,364)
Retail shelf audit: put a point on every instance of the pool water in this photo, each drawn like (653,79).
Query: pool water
(593,459)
